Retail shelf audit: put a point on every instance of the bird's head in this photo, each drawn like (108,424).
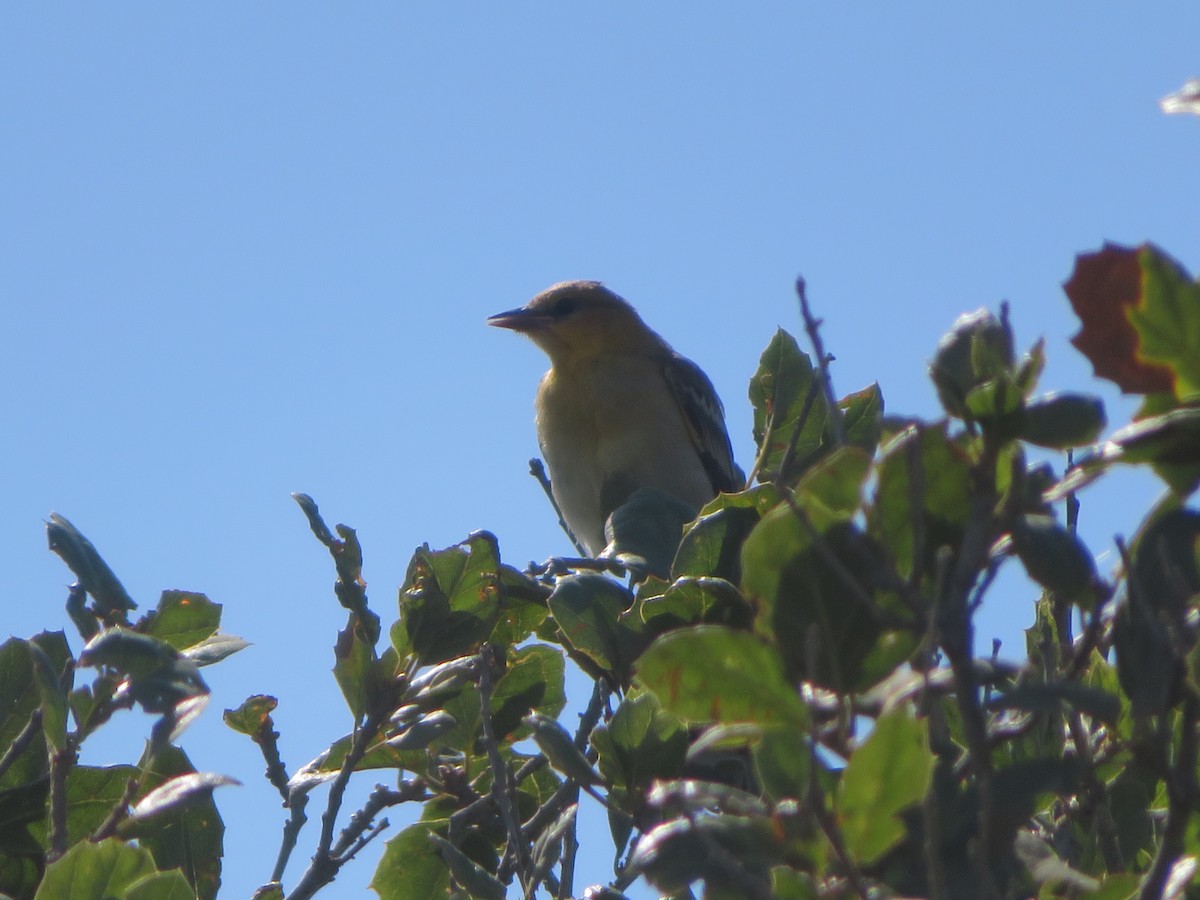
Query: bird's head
(576,320)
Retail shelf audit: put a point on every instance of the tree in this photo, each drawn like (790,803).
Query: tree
(797,711)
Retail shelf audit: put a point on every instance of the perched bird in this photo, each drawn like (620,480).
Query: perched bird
(619,410)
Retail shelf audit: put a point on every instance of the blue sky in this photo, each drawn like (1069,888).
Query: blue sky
(249,249)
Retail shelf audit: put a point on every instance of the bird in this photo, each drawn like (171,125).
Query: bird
(619,410)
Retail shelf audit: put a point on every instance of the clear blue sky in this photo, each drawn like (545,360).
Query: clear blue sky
(249,249)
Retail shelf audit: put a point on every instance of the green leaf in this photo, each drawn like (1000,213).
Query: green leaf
(52,695)
(424,731)
(887,774)
(862,418)
(90,569)
(559,748)
(533,682)
(782,761)
(253,717)
(19,698)
(161,886)
(477,881)
(778,393)
(189,836)
(1061,421)
(95,871)
(714,674)
(641,743)
(215,648)
(411,867)
(695,601)
(92,793)
(814,598)
(451,598)
(158,675)
(712,545)
(183,619)
(589,611)
(1165,576)
(1167,319)
(922,467)
(353,669)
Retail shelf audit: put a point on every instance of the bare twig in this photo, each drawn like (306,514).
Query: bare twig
(324,866)
(816,796)
(538,471)
(297,802)
(502,786)
(812,325)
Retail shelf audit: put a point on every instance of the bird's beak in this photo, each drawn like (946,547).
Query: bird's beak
(522,319)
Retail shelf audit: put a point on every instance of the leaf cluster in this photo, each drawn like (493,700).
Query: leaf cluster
(793,707)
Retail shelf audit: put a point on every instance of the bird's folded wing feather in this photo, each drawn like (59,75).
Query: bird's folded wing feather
(705,418)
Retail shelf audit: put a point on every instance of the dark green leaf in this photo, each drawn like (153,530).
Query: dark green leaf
(191,836)
(1060,421)
(533,682)
(478,882)
(1055,558)
(353,670)
(642,742)
(588,609)
(93,573)
(785,380)
(424,731)
(451,598)
(53,697)
(694,601)
(558,746)
(712,545)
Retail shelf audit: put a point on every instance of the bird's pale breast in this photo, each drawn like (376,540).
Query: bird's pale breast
(606,427)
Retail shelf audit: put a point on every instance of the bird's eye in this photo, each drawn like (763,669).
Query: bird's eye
(565,306)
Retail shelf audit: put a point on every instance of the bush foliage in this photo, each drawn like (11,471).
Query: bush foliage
(792,706)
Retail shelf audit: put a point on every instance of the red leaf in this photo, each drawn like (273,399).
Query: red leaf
(1102,289)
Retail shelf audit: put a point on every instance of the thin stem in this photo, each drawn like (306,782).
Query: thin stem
(812,325)
(502,787)
(538,471)
(22,741)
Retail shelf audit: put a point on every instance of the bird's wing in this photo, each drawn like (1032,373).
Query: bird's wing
(705,418)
